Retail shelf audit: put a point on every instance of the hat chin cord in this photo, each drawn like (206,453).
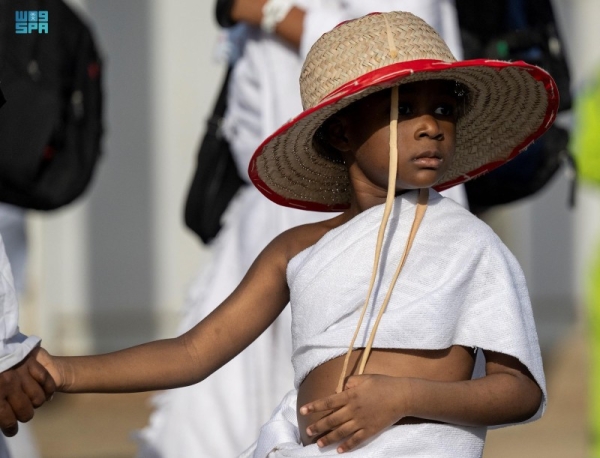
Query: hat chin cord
(389,202)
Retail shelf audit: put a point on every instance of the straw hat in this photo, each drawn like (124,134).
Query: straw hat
(509,105)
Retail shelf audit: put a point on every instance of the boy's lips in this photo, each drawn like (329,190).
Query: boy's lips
(428,159)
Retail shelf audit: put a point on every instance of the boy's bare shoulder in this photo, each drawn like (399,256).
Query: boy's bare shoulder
(296,239)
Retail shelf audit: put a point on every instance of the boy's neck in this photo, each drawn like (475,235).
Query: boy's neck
(361,201)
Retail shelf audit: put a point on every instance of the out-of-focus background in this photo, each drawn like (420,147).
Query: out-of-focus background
(111,270)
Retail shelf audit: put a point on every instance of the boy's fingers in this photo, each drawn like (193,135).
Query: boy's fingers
(335,401)
(327,423)
(355,440)
(338,434)
(8,421)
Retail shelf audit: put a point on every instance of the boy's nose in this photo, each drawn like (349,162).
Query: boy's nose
(428,126)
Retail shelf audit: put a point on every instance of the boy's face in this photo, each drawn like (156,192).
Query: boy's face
(426,135)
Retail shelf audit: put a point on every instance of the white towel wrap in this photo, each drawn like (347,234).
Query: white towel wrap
(460,286)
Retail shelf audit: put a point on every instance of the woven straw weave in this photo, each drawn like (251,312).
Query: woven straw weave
(361,46)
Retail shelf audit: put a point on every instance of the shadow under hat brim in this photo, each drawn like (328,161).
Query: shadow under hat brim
(509,105)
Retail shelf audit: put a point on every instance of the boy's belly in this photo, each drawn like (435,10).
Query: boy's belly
(452,364)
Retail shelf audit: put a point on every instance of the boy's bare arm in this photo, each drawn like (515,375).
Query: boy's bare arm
(507,394)
(371,403)
(187,359)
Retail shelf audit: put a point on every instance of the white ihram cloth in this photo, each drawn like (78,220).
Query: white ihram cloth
(221,416)
(460,286)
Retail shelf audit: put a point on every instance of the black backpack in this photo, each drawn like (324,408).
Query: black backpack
(518,30)
(51,124)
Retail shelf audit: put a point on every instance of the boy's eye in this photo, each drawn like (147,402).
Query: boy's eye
(444,110)
(404,109)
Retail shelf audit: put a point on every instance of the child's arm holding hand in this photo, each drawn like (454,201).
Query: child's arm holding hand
(193,356)
(371,403)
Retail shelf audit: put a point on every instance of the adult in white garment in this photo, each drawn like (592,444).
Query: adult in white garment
(222,415)
(16,358)
(24,383)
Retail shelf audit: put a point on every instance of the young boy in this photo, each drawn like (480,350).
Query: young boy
(388,115)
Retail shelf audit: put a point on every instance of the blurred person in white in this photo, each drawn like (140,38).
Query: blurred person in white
(222,416)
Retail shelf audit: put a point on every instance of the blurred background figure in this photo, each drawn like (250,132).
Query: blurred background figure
(520,30)
(586,145)
(262,95)
(50,128)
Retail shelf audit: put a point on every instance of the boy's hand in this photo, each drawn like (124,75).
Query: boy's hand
(23,388)
(50,364)
(368,405)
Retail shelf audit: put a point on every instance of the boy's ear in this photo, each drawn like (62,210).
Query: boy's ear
(335,133)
